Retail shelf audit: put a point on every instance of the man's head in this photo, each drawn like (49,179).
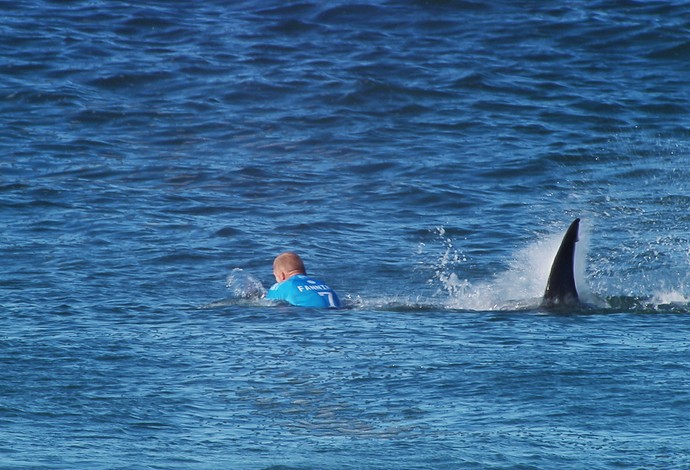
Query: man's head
(287,265)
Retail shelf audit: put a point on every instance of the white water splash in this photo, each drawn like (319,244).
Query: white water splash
(670,297)
(519,287)
(243,285)
(450,282)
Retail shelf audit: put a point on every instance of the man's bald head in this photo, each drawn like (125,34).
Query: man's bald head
(286,265)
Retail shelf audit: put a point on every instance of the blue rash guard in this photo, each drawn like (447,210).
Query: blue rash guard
(304,291)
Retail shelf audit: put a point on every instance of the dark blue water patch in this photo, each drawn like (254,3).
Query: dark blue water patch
(229,232)
(177,256)
(679,51)
(346,14)
(129,80)
(293,27)
(664,108)
(294,10)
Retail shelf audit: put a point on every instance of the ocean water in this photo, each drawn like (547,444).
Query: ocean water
(424,157)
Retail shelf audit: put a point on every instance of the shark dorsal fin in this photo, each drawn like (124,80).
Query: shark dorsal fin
(560,288)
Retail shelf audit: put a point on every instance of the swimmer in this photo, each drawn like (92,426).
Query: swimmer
(295,287)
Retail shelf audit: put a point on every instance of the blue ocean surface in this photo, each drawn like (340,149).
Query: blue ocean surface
(424,158)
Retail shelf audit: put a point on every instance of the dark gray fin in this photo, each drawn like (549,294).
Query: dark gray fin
(560,289)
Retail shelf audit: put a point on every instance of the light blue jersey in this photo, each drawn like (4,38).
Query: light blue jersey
(304,291)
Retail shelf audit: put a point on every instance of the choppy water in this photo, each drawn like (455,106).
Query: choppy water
(423,157)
